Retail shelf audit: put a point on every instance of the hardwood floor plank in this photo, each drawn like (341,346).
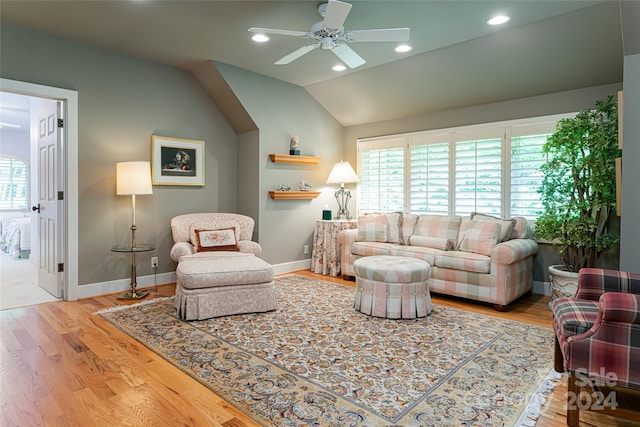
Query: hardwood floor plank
(61,365)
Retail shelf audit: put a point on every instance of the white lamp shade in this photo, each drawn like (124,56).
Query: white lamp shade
(133,178)
(342,173)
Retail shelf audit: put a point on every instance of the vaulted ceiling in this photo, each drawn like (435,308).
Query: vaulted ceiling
(457,59)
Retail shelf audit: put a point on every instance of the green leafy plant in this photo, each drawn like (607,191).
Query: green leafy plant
(578,190)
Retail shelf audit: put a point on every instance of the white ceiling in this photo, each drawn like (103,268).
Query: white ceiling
(457,59)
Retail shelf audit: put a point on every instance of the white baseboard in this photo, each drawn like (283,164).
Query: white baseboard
(541,288)
(124,285)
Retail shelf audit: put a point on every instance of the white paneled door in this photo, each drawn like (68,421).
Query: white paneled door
(49,133)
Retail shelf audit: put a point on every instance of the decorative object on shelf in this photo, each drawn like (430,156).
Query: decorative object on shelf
(177,161)
(305,186)
(326,213)
(293,146)
(133,179)
(342,173)
(284,187)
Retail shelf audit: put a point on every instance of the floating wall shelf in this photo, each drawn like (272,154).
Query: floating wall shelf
(284,195)
(285,158)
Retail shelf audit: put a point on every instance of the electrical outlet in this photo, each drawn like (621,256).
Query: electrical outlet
(306,249)
(154,262)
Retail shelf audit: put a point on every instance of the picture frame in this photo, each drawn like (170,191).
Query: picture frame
(177,161)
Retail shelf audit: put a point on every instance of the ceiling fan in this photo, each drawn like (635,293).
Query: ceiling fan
(330,35)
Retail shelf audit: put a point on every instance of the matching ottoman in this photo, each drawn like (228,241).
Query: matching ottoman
(222,284)
(392,287)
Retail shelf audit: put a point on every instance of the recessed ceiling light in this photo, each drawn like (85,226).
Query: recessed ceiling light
(260,38)
(403,48)
(338,67)
(499,20)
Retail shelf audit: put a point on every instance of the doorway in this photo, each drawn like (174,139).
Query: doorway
(66,253)
(19,180)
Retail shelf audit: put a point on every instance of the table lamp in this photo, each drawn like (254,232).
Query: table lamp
(133,179)
(342,173)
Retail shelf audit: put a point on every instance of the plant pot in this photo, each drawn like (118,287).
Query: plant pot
(563,283)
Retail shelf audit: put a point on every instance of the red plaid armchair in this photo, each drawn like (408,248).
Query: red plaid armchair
(598,340)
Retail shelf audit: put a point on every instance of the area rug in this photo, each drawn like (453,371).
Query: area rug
(316,361)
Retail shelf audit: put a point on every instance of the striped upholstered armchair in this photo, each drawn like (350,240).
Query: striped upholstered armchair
(598,340)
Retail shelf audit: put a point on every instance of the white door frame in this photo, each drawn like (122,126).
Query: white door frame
(69,100)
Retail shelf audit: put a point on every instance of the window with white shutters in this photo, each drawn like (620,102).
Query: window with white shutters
(14,183)
(492,169)
(478,176)
(381,179)
(429,178)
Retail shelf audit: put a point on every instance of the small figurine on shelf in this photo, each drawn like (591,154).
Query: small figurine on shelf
(284,187)
(293,146)
(304,186)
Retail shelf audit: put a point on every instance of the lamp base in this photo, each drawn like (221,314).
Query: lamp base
(133,295)
(342,197)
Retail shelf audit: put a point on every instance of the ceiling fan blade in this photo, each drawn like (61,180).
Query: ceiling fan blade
(381,35)
(280,32)
(296,54)
(336,14)
(348,56)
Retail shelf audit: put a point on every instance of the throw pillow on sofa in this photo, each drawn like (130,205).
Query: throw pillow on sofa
(507,225)
(480,236)
(440,226)
(432,242)
(379,227)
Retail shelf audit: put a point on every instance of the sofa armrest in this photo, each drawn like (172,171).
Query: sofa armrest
(250,247)
(620,307)
(513,251)
(347,238)
(181,249)
(593,282)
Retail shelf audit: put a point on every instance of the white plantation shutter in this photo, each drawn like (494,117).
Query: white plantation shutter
(14,183)
(429,178)
(478,176)
(382,178)
(526,159)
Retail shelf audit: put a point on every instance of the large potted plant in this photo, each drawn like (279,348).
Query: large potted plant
(578,190)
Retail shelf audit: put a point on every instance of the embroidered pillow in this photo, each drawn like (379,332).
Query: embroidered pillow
(507,225)
(222,239)
(480,237)
(432,242)
(372,228)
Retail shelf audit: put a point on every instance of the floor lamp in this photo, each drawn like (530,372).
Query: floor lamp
(342,173)
(133,179)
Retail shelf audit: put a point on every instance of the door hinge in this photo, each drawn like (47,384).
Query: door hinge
(60,123)
(60,195)
(60,267)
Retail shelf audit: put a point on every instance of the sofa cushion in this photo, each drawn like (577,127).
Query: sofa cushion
(371,248)
(432,242)
(466,261)
(480,237)
(441,226)
(522,229)
(418,252)
(506,225)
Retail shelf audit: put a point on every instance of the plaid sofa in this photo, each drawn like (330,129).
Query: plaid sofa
(598,332)
(477,257)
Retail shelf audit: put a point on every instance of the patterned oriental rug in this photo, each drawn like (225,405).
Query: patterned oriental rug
(316,361)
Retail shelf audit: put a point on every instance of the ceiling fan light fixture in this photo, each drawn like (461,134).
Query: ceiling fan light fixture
(499,20)
(260,38)
(403,48)
(338,67)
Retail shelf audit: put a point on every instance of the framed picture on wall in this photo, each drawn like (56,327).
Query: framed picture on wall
(177,161)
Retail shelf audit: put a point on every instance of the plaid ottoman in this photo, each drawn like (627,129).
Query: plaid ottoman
(392,287)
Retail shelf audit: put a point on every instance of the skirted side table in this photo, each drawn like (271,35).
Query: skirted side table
(325,257)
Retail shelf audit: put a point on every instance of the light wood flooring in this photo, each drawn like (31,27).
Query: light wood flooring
(61,366)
